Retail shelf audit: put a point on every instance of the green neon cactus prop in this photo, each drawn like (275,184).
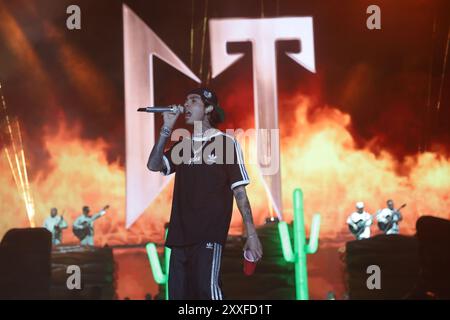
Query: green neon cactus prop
(301,248)
(158,274)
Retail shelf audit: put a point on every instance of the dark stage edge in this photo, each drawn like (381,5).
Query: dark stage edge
(97,270)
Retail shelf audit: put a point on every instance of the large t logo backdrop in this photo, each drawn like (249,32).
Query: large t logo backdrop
(141,44)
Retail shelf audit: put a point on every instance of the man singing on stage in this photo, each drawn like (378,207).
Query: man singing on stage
(209,170)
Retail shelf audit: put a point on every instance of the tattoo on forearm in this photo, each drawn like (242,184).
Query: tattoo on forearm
(244,205)
(155,158)
(240,194)
(247,214)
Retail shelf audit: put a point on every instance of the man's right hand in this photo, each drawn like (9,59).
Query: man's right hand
(171,117)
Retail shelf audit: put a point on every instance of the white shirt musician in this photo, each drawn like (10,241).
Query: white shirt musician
(389,218)
(83,226)
(359,222)
(55,224)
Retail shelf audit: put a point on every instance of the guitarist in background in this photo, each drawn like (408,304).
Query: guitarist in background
(55,224)
(359,222)
(83,226)
(388,218)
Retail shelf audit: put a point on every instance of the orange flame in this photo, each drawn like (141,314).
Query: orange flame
(319,156)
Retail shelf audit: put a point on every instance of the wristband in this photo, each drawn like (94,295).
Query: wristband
(165,131)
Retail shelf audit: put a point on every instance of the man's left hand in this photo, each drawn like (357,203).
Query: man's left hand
(254,245)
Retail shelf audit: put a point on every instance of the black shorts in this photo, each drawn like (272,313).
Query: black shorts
(194,272)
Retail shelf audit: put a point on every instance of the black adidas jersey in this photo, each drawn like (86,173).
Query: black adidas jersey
(206,171)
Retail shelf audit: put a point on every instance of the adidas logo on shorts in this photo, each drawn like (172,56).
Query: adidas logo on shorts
(209,245)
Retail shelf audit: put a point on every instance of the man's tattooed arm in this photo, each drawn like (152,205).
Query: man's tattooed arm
(155,160)
(244,207)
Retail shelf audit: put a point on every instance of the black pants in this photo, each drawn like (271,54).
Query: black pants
(194,272)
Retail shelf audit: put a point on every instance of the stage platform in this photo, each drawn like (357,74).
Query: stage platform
(97,270)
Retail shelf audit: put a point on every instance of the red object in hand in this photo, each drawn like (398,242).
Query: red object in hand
(249,263)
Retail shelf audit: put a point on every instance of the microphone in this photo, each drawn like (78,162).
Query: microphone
(159,109)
